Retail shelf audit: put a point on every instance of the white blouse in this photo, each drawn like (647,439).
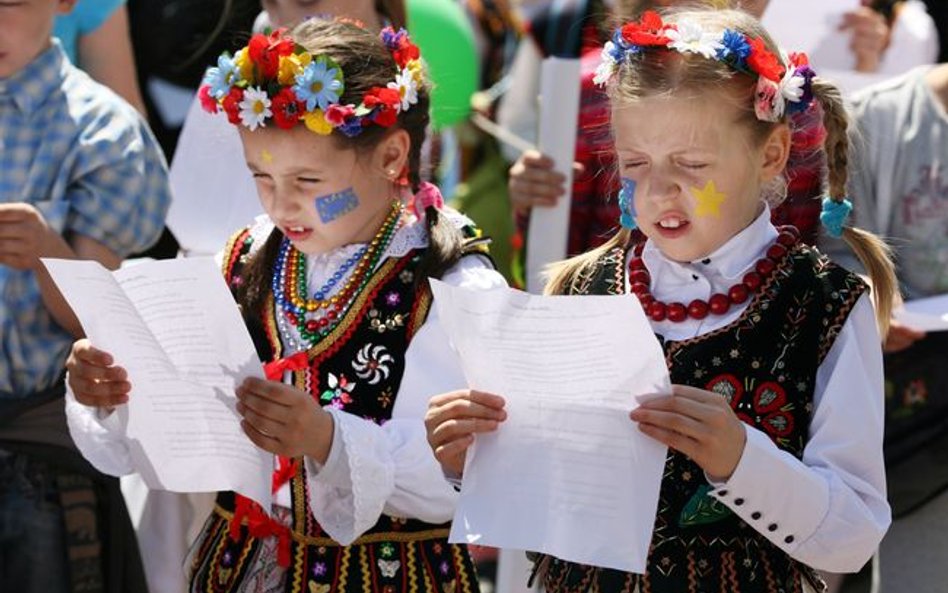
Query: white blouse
(829,510)
(371,469)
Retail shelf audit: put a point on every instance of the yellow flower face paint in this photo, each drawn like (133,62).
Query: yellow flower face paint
(709,200)
(266,156)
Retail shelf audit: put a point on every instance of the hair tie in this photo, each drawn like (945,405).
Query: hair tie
(428,196)
(835,214)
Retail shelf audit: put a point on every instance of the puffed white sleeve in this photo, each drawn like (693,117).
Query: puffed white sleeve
(390,469)
(828,510)
(100,437)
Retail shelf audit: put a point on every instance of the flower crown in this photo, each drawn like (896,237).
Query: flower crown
(780,89)
(276,79)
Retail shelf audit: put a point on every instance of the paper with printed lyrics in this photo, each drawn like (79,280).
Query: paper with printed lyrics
(928,314)
(568,473)
(175,328)
(548,229)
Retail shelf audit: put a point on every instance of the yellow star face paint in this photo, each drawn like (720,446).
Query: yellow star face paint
(266,156)
(709,200)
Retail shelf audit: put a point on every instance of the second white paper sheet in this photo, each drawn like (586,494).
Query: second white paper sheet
(568,473)
(173,325)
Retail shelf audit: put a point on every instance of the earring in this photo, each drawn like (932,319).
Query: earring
(627,204)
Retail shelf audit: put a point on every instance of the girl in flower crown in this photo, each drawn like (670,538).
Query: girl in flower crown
(774,427)
(334,287)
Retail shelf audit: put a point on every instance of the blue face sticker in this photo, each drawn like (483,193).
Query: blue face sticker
(627,203)
(335,205)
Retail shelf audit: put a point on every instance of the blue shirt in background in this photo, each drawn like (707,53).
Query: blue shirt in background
(85,17)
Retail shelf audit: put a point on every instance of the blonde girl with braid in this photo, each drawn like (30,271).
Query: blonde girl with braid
(333,285)
(775,468)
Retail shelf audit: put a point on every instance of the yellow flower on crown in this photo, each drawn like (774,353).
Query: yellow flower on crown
(244,65)
(417,70)
(292,65)
(316,122)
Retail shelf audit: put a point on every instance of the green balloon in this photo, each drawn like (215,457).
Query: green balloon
(443,33)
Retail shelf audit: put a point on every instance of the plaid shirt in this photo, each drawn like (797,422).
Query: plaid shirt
(88,163)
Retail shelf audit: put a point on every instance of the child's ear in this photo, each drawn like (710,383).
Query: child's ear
(775,153)
(391,155)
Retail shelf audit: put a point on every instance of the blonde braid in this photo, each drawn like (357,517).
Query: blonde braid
(873,253)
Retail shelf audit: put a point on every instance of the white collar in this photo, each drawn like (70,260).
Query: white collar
(721,269)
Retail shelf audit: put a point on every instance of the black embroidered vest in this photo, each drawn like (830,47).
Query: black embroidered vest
(357,368)
(765,364)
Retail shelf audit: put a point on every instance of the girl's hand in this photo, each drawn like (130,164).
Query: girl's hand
(697,423)
(94,379)
(870,37)
(533,182)
(283,420)
(454,418)
(900,337)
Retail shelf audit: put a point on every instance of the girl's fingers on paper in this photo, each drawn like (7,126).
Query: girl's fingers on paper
(98,373)
(465,397)
(100,394)
(261,406)
(677,441)
(264,441)
(84,351)
(454,429)
(694,406)
(262,423)
(670,421)
(452,455)
(277,393)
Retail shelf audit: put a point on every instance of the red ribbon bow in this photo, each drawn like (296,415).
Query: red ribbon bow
(260,525)
(274,370)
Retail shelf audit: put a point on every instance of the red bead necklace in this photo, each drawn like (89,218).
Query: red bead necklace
(718,304)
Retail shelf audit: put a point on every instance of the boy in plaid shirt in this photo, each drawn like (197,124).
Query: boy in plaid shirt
(80,177)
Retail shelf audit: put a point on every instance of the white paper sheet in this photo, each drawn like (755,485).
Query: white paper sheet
(213,193)
(810,26)
(175,328)
(928,314)
(568,473)
(559,111)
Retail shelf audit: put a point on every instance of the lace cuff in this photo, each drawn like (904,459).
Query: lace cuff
(348,493)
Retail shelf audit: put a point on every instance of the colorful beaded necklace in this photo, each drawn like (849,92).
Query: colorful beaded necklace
(315,317)
(718,304)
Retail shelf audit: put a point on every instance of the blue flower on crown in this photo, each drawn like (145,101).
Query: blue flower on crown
(352,127)
(393,39)
(735,50)
(622,47)
(319,84)
(222,77)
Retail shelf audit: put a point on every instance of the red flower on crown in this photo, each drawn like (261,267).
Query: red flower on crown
(231,104)
(208,103)
(762,61)
(799,59)
(407,52)
(265,51)
(287,108)
(385,101)
(648,31)
(338,114)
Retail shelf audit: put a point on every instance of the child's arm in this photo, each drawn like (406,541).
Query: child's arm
(25,237)
(829,510)
(390,469)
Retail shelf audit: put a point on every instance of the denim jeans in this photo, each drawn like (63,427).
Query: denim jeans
(32,534)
